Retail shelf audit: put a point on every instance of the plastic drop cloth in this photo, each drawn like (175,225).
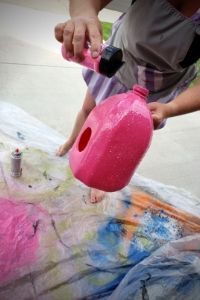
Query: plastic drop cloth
(140,243)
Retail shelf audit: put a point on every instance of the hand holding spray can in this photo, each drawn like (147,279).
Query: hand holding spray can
(16,161)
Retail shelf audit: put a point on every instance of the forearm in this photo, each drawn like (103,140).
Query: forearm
(186,102)
(86,7)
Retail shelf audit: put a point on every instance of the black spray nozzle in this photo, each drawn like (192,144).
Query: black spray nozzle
(111,61)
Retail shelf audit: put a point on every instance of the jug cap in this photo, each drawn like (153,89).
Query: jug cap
(111,61)
(141,91)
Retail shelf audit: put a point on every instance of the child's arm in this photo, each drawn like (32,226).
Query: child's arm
(186,102)
(83,26)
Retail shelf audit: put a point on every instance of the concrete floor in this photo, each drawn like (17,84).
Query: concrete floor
(35,77)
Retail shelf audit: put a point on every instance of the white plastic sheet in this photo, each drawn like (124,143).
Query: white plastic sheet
(140,243)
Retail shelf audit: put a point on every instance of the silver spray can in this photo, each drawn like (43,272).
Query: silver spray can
(16,162)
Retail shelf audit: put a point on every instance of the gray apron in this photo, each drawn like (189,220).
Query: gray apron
(155,38)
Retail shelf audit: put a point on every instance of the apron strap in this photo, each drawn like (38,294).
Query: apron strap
(193,53)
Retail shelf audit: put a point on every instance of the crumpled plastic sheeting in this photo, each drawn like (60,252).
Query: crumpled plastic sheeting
(140,243)
(172,272)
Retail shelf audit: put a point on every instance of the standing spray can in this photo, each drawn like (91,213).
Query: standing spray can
(16,162)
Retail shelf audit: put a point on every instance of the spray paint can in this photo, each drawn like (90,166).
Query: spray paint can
(16,161)
(107,63)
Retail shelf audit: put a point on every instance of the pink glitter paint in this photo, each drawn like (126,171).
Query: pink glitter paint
(107,63)
(18,237)
(113,141)
(91,63)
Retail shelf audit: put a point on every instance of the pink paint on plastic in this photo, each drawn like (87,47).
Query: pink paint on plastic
(107,63)
(113,141)
(88,61)
(19,239)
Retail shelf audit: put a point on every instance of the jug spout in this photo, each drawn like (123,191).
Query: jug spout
(140,91)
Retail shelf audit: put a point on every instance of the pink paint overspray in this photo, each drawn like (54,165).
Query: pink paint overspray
(16,163)
(19,232)
(107,63)
(113,141)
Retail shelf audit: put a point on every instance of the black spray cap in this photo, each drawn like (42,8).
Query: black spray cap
(111,61)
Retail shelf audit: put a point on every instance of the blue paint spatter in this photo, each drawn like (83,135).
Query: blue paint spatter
(109,237)
(20,136)
(160,226)
(136,253)
(106,258)
(110,234)
(105,251)
(155,229)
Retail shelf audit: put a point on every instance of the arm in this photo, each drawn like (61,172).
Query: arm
(186,102)
(83,26)
(79,7)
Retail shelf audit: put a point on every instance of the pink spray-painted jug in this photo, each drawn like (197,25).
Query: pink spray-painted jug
(107,63)
(113,140)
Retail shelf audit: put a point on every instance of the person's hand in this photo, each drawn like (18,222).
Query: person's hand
(159,112)
(76,32)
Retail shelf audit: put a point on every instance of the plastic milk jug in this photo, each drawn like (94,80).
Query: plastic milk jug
(107,64)
(113,140)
